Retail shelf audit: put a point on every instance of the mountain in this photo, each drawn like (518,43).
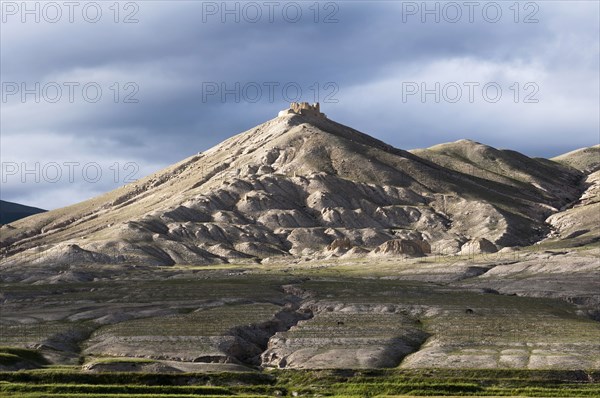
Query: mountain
(10,212)
(294,186)
(577,222)
(537,178)
(352,233)
(584,159)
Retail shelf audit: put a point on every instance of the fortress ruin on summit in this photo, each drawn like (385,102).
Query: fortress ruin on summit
(303,108)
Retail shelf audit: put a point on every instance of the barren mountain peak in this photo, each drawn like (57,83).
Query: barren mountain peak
(292,186)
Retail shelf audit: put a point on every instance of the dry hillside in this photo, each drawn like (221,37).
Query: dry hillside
(297,183)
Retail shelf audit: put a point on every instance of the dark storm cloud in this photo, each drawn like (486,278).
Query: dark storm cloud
(172,54)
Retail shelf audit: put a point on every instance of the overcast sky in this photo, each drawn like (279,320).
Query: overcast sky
(90,87)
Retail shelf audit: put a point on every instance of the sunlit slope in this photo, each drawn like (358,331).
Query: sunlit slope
(293,185)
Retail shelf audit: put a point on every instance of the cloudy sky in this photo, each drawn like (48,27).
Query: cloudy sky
(96,94)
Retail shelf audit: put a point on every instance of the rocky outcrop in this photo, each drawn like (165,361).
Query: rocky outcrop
(580,221)
(401,247)
(343,244)
(478,246)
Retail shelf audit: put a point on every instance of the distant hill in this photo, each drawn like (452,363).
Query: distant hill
(584,159)
(10,212)
(543,181)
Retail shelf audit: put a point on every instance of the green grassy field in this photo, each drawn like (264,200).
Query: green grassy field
(355,383)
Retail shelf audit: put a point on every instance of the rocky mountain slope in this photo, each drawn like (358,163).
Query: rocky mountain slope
(296,185)
(584,159)
(576,223)
(579,223)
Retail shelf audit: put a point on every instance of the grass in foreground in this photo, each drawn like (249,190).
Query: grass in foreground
(338,383)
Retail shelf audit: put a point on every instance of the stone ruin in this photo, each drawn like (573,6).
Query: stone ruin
(303,108)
